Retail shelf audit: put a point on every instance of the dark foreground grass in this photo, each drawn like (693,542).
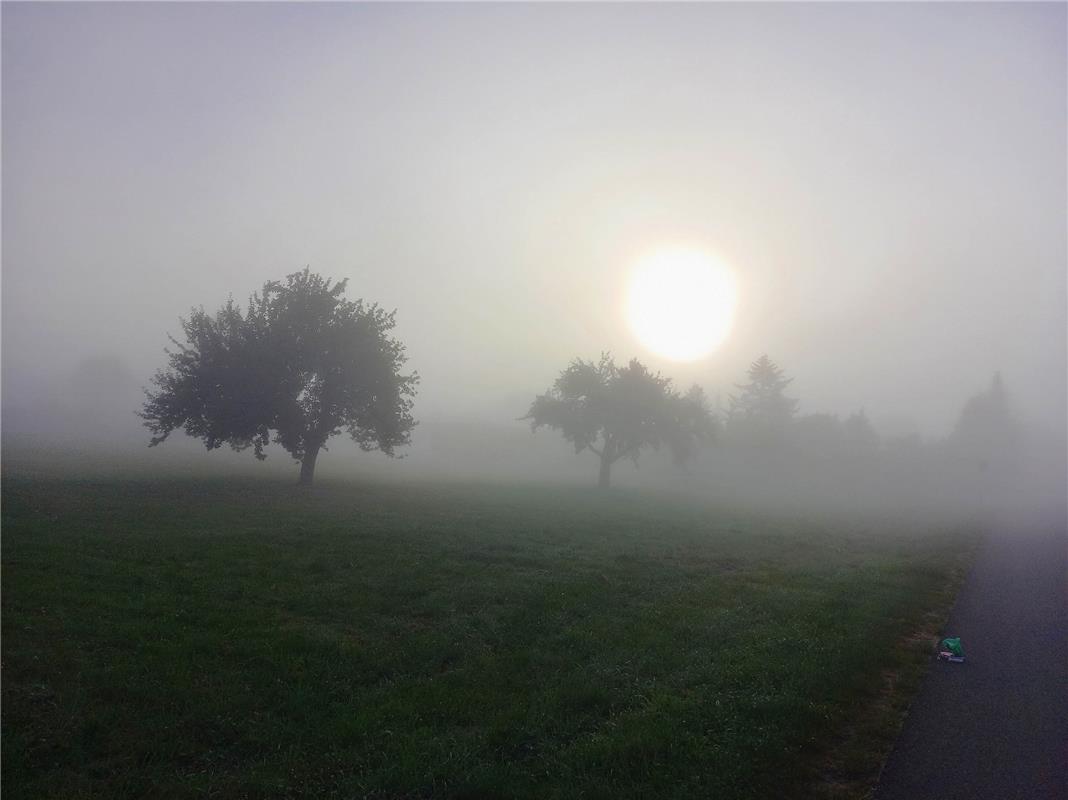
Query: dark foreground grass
(240,639)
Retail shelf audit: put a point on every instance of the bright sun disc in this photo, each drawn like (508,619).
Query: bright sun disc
(680,303)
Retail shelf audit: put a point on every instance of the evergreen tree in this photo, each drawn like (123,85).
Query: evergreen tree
(985,430)
(762,411)
(860,435)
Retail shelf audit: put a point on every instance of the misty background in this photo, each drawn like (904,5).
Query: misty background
(888,182)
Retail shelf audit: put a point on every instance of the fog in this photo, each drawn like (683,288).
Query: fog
(886,181)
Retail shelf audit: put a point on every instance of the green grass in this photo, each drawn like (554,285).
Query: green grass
(249,639)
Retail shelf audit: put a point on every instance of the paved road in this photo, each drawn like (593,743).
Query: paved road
(997,726)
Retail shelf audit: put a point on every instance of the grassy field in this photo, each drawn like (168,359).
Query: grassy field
(248,639)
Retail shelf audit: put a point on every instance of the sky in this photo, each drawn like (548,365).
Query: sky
(887,181)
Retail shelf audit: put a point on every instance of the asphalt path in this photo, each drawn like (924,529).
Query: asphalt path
(996,726)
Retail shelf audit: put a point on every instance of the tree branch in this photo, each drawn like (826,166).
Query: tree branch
(626,452)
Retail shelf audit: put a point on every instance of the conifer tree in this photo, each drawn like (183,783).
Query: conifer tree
(762,411)
(985,430)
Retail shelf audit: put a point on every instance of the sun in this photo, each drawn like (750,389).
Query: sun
(680,302)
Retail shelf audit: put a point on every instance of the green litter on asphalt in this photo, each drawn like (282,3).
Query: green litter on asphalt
(953,646)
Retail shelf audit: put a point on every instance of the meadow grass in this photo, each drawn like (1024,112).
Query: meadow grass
(239,638)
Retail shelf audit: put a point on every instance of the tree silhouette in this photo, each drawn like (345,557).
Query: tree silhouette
(616,412)
(985,431)
(762,411)
(860,435)
(302,362)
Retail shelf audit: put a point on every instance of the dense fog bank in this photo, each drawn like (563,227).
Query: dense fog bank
(878,190)
(903,475)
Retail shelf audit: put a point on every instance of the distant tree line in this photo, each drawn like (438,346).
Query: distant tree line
(303,364)
(762,415)
(618,412)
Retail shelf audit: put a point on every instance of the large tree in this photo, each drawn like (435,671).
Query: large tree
(616,412)
(761,411)
(303,363)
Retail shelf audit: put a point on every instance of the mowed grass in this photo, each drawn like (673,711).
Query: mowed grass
(250,639)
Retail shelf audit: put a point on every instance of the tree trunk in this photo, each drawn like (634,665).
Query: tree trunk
(606,470)
(307,465)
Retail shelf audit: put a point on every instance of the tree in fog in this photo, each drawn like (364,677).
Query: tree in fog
(818,433)
(616,412)
(985,431)
(761,412)
(303,363)
(860,435)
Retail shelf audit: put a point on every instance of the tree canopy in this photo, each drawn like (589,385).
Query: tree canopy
(303,363)
(616,412)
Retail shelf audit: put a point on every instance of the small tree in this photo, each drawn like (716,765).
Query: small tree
(302,362)
(860,435)
(985,431)
(616,412)
(762,411)
(819,434)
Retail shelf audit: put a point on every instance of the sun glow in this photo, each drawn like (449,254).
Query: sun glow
(680,302)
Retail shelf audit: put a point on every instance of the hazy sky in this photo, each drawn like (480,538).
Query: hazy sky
(888,181)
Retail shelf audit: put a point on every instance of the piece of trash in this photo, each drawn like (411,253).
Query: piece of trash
(951,650)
